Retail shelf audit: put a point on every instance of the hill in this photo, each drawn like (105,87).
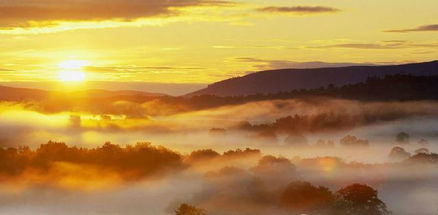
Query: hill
(388,88)
(24,94)
(286,80)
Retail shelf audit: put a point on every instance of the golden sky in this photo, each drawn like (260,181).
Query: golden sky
(202,41)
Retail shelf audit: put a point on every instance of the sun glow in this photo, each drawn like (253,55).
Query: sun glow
(72,70)
(71,76)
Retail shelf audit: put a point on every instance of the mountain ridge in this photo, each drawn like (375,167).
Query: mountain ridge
(284,80)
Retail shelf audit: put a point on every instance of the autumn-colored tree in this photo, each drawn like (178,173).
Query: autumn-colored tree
(185,209)
(132,162)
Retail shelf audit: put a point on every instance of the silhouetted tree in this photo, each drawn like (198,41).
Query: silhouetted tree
(269,168)
(358,199)
(131,162)
(402,138)
(303,197)
(324,144)
(296,140)
(422,151)
(217,131)
(350,140)
(203,154)
(240,152)
(423,142)
(399,153)
(423,158)
(185,209)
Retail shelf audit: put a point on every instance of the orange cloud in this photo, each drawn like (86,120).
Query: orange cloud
(29,13)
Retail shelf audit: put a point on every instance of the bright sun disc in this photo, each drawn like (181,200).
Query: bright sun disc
(73,64)
(70,76)
(71,70)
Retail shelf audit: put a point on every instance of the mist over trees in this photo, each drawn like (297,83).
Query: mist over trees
(359,199)
(134,162)
(355,199)
(185,209)
(303,197)
(352,141)
(297,197)
(389,88)
(270,184)
(399,153)
(402,138)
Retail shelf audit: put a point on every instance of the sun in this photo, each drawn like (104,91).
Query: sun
(72,70)
(71,76)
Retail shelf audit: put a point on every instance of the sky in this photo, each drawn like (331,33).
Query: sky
(197,42)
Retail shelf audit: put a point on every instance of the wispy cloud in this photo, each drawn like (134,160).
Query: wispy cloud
(298,9)
(363,46)
(420,28)
(263,64)
(389,44)
(6,70)
(136,68)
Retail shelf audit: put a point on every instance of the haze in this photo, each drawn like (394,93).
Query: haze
(218,107)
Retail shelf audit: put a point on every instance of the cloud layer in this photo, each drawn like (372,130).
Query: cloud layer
(263,64)
(26,13)
(420,28)
(383,45)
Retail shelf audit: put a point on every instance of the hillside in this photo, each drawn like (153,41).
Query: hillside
(24,94)
(286,80)
(388,88)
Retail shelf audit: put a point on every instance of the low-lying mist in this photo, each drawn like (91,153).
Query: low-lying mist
(279,126)
(149,179)
(235,159)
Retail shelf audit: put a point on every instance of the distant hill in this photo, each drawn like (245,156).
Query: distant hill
(109,93)
(20,94)
(389,88)
(286,80)
(397,87)
(24,94)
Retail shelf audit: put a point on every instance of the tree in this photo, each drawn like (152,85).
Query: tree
(399,153)
(422,151)
(423,142)
(359,199)
(423,158)
(185,209)
(350,140)
(296,139)
(402,138)
(217,131)
(203,154)
(324,144)
(303,197)
(269,168)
